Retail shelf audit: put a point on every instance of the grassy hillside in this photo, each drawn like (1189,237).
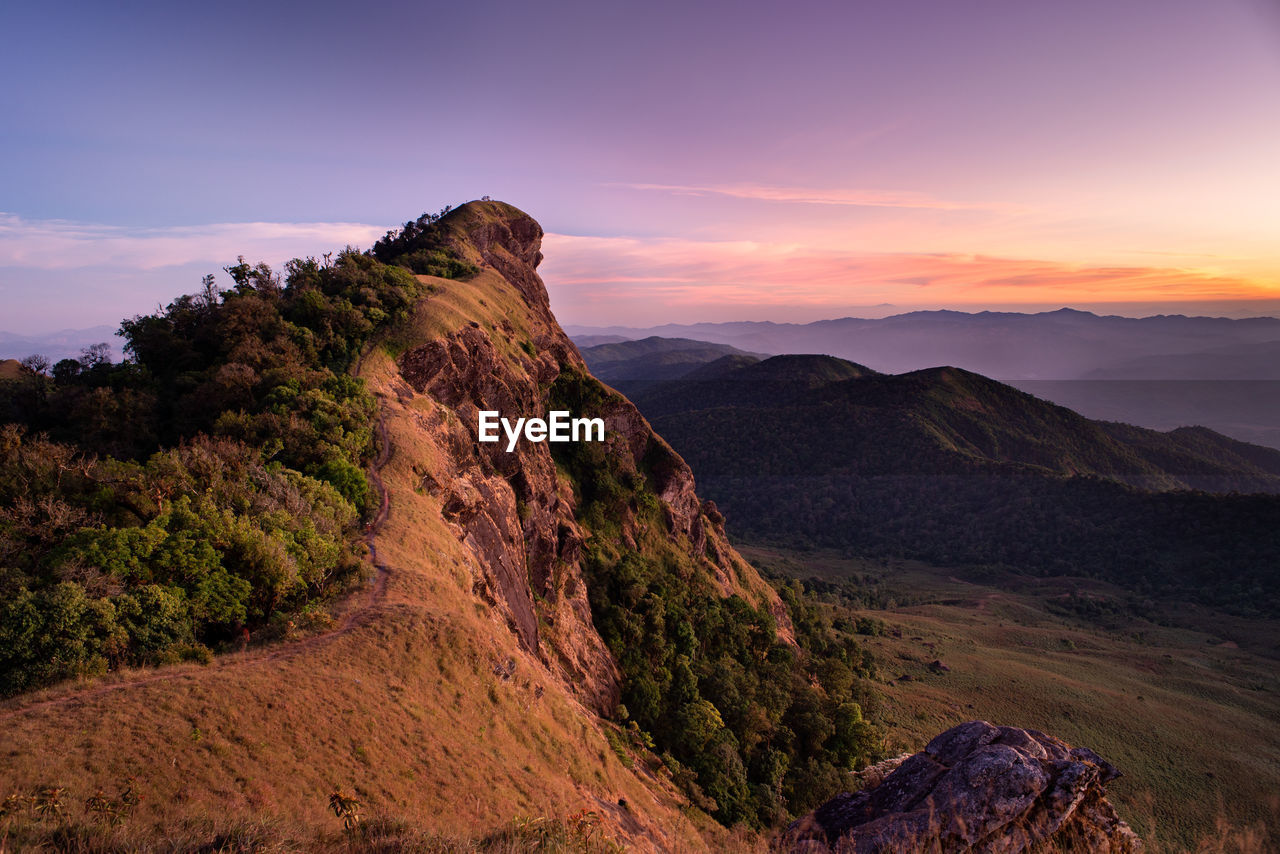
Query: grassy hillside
(1186,712)
(473,689)
(423,706)
(415,696)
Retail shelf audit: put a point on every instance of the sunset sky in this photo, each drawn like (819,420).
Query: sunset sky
(708,161)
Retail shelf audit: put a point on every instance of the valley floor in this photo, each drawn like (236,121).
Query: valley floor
(1184,701)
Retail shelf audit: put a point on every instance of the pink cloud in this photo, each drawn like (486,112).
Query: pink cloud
(61,244)
(589,275)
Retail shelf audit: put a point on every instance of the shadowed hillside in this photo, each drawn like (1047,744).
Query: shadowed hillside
(949,466)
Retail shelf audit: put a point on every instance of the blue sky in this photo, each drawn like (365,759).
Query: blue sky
(691,161)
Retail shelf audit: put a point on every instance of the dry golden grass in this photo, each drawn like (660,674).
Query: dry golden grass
(581,833)
(424,707)
(487,299)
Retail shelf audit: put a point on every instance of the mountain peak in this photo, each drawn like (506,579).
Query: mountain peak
(503,237)
(488,227)
(812,369)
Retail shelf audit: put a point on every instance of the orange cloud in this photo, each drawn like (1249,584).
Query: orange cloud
(676,274)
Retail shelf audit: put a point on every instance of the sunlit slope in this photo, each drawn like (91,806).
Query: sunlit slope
(461,690)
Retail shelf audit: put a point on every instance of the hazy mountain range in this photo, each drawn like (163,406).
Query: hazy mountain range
(1057,345)
(1161,372)
(63,344)
(651,359)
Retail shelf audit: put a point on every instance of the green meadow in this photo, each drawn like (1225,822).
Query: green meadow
(1185,701)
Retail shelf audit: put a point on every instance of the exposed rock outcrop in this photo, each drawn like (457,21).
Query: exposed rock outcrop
(513,510)
(976,788)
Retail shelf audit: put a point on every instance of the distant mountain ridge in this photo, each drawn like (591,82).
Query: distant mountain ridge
(935,420)
(1063,344)
(1159,372)
(1251,360)
(652,358)
(63,344)
(1247,410)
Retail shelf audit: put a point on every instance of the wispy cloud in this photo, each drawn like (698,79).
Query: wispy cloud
(864,198)
(62,244)
(669,275)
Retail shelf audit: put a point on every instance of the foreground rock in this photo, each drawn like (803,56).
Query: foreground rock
(976,788)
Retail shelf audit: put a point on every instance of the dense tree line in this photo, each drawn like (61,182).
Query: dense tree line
(1217,550)
(209,486)
(754,728)
(421,246)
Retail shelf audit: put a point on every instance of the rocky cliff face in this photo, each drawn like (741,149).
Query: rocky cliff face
(976,788)
(513,510)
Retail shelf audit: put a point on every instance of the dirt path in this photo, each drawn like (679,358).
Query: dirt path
(355,616)
(374,527)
